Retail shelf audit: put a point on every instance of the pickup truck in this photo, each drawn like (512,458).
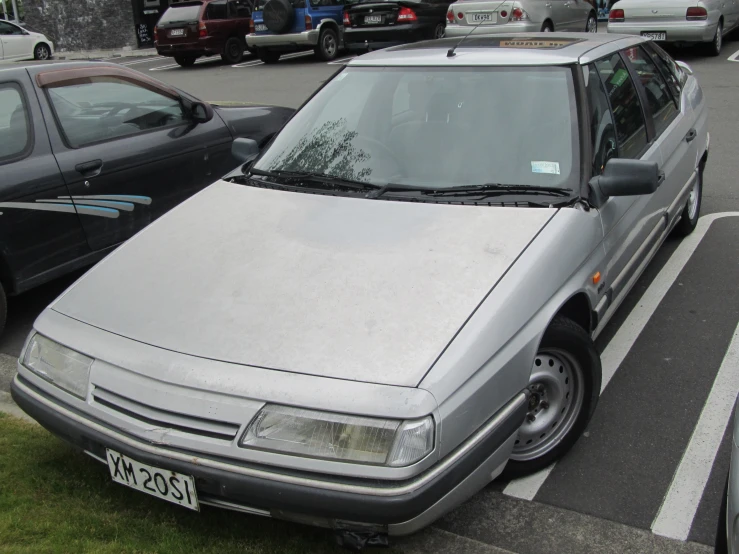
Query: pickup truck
(91,153)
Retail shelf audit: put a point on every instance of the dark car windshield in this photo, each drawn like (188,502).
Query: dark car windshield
(437,127)
(181,14)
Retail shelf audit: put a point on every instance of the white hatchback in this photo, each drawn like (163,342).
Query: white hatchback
(16,43)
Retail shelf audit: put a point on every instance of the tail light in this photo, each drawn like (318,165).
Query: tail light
(252,29)
(696,14)
(616,15)
(156,34)
(460,15)
(504,14)
(202,30)
(407,15)
(517,14)
(450,16)
(308,23)
(347,21)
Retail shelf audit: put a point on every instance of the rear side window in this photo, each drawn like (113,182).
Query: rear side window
(15,129)
(216,10)
(659,96)
(602,129)
(627,113)
(670,70)
(181,14)
(108,108)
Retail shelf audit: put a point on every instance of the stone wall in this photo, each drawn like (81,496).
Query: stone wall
(83,24)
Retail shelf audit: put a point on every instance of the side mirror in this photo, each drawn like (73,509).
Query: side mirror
(201,112)
(685,67)
(245,150)
(625,177)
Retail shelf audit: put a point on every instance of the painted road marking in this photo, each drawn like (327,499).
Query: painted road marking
(675,516)
(734,57)
(526,488)
(145,60)
(253,63)
(342,61)
(175,65)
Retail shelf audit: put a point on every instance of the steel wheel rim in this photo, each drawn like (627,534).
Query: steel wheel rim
(719,38)
(234,51)
(693,199)
(592,25)
(439,32)
(329,44)
(557,393)
(42,53)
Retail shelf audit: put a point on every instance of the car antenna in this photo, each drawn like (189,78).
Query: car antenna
(450,53)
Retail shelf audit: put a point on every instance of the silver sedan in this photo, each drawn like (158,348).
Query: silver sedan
(396,302)
(676,21)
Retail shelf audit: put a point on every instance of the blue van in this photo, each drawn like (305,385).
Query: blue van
(282,26)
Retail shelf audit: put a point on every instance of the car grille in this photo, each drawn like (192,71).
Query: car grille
(164,418)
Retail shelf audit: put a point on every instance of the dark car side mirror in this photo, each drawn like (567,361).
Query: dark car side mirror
(245,150)
(201,112)
(624,177)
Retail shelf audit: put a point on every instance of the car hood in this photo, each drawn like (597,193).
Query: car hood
(366,290)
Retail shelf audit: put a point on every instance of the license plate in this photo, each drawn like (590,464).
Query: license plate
(372,19)
(482,17)
(162,483)
(655,35)
(260,27)
(177,33)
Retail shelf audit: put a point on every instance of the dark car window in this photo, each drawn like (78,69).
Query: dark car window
(669,69)
(239,9)
(661,103)
(181,14)
(8,29)
(15,134)
(216,10)
(630,126)
(110,108)
(602,129)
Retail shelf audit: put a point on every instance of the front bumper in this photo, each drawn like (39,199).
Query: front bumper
(454,30)
(365,38)
(306,38)
(388,506)
(677,31)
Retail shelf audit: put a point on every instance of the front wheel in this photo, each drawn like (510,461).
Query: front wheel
(564,388)
(42,52)
(692,210)
(328,45)
(233,51)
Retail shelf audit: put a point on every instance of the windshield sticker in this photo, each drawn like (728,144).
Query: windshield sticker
(545,167)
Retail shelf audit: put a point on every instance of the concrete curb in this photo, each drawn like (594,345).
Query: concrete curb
(7,406)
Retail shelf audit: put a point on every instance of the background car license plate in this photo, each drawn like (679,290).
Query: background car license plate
(177,32)
(482,17)
(655,35)
(260,27)
(162,483)
(373,19)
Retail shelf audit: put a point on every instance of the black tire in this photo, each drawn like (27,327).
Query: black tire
(687,224)
(566,337)
(328,45)
(185,61)
(547,27)
(42,52)
(233,51)
(721,544)
(278,15)
(591,26)
(268,56)
(714,47)
(437,32)
(3,309)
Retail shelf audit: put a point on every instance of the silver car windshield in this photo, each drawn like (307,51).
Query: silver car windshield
(437,127)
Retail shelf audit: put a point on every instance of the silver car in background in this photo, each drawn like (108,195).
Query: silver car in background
(676,21)
(521,16)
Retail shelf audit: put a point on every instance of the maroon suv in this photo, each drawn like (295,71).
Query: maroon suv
(189,30)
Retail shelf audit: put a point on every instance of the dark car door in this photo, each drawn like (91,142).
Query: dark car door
(37,235)
(127,146)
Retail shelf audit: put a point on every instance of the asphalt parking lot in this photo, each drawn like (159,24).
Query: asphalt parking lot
(648,474)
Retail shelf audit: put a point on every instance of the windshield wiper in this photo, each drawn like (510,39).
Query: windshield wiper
(487,189)
(314,178)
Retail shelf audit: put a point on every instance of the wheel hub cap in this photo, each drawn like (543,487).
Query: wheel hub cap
(693,200)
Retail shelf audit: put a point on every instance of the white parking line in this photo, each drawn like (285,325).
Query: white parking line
(252,63)
(145,60)
(734,57)
(341,61)
(527,487)
(174,65)
(678,509)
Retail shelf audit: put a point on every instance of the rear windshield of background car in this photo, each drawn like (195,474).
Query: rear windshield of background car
(184,13)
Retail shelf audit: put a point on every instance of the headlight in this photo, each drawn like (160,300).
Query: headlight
(58,364)
(340,437)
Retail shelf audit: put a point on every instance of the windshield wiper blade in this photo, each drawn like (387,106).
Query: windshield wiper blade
(487,189)
(318,178)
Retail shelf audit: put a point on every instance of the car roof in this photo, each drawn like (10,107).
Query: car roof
(502,49)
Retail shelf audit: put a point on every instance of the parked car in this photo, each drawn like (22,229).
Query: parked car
(703,22)
(282,26)
(17,43)
(373,24)
(91,153)
(189,30)
(487,17)
(396,300)
(727,534)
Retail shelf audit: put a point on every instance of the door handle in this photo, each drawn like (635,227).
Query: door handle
(691,135)
(89,169)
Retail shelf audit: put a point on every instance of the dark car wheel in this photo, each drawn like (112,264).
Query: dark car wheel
(42,52)
(564,386)
(185,61)
(438,31)
(278,15)
(692,210)
(233,51)
(328,45)
(3,309)
(714,47)
(592,25)
(268,56)
(722,541)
